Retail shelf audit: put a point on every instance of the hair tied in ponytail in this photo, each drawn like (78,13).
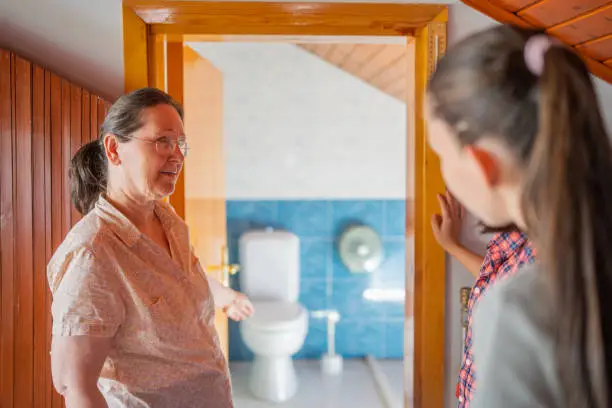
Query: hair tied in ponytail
(535,50)
(88,175)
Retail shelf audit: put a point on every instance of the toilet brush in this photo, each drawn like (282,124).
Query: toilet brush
(331,363)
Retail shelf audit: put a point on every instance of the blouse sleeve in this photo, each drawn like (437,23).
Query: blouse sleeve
(513,353)
(86,297)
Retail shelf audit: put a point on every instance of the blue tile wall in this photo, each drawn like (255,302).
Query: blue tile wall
(366,327)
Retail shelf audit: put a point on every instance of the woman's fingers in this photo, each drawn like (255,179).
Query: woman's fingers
(241,309)
(444,208)
(235,314)
(248,308)
(456,207)
(436,223)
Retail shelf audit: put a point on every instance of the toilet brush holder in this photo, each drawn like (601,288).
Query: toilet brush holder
(331,363)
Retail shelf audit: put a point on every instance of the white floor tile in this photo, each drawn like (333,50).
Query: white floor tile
(353,389)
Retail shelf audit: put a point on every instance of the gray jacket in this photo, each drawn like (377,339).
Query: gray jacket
(513,333)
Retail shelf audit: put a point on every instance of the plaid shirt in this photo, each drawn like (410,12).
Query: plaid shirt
(505,253)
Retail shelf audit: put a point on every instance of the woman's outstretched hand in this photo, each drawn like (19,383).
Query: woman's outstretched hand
(447,225)
(240,308)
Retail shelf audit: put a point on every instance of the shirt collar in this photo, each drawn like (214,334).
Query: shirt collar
(516,238)
(124,228)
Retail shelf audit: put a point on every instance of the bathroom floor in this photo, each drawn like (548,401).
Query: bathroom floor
(354,388)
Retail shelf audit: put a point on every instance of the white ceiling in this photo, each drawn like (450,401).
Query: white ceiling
(78,39)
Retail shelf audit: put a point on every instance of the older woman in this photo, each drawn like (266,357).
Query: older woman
(133,312)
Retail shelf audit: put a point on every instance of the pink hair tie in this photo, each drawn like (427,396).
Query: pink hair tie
(535,49)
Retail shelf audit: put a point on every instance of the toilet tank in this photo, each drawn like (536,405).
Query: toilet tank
(270,265)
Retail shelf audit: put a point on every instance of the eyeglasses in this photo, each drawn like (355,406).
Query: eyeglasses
(165,146)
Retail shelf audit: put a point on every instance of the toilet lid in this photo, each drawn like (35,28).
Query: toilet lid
(276,315)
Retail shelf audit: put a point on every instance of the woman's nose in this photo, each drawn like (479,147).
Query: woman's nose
(177,154)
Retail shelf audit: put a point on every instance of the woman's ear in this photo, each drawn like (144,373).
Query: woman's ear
(487,164)
(111,145)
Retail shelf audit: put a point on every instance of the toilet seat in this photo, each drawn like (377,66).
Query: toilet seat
(277,315)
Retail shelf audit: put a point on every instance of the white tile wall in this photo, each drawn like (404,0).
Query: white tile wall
(296,127)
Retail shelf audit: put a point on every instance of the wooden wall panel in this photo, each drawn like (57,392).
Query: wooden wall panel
(41,357)
(23,201)
(56,174)
(85,116)
(95,125)
(101,111)
(65,156)
(56,162)
(43,121)
(48,232)
(6,231)
(76,135)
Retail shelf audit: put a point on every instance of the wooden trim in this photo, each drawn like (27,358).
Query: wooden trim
(442,17)
(157,61)
(134,50)
(429,258)
(410,97)
(254,18)
(175,72)
(264,29)
(529,7)
(516,9)
(597,68)
(592,41)
(219,17)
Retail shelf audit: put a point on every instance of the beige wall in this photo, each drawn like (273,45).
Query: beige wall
(205,167)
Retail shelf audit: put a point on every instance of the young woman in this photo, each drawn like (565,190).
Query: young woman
(515,120)
(506,252)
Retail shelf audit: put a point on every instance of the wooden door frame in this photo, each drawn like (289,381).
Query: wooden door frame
(156,29)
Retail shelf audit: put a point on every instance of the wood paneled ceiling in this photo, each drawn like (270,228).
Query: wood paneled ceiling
(384,66)
(586,25)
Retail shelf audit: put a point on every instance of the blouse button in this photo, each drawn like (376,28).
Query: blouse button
(476,291)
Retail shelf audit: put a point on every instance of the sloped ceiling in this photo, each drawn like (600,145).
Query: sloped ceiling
(383,66)
(585,25)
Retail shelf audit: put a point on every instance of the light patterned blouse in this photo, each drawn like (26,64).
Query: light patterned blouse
(110,280)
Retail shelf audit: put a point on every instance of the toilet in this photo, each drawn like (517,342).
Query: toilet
(270,276)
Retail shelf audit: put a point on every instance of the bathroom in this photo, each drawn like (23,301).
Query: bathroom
(311,149)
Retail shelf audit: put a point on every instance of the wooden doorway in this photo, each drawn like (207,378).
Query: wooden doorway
(154,34)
